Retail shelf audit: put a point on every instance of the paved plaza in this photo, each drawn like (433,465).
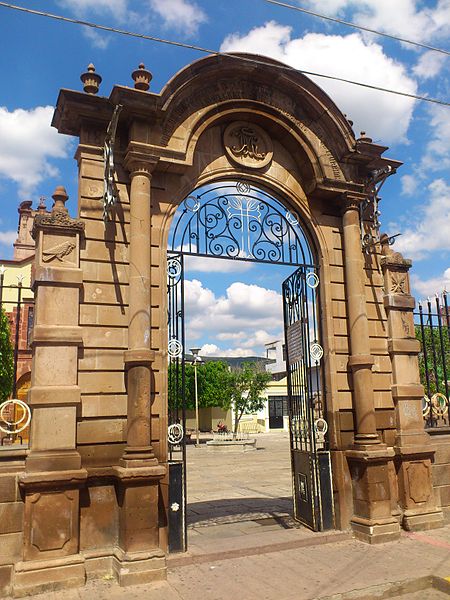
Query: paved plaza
(244,544)
(249,489)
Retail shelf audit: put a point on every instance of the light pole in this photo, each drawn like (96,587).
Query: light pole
(196,359)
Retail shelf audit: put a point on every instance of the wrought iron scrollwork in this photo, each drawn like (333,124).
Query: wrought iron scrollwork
(369,208)
(110,190)
(239,221)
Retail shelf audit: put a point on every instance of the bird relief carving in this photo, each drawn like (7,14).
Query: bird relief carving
(59,252)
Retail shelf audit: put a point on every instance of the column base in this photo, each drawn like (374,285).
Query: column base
(375,532)
(132,568)
(423,521)
(34,577)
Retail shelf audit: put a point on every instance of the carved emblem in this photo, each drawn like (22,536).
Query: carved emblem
(59,251)
(248,145)
(398,283)
(405,324)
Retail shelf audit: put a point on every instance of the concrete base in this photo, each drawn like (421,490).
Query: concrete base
(34,577)
(139,567)
(413,521)
(231,445)
(375,532)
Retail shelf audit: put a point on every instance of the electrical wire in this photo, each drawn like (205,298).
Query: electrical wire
(218,53)
(350,24)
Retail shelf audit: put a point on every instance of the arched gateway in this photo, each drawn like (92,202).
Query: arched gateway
(95,482)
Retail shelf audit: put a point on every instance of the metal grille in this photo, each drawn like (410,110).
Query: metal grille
(239,221)
(18,304)
(432,325)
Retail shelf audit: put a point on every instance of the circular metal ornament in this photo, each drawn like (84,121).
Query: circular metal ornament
(292,217)
(316,351)
(439,404)
(312,280)
(243,187)
(174,348)
(320,425)
(175,434)
(426,406)
(192,204)
(173,268)
(20,424)
(175,507)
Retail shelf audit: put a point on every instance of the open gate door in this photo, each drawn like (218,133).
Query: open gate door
(177,408)
(310,457)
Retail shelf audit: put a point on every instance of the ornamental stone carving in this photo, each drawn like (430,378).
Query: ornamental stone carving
(248,145)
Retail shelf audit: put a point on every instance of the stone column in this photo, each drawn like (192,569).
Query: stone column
(372,520)
(138,557)
(413,448)
(53,473)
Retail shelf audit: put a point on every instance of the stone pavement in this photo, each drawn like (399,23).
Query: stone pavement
(244,545)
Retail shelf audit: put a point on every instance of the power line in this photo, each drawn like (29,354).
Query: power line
(218,53)
(349,24)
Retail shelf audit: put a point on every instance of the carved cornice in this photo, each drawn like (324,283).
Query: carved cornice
(60,221)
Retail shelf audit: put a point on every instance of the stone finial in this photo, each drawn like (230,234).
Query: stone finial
(142,78)
(91,80)
(364,137)
(60,198)
(42,207)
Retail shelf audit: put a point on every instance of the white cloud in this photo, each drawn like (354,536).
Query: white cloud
(411,19)
(430,229)
(7,238)
(437,151)
(27,142)
(429,65)
(383,116)
(409,184)
(209,265)
(118,9)
(429,287)
(181,15)
(213,350)
(246,317)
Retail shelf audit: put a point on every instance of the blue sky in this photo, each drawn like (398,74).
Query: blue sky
(39,56)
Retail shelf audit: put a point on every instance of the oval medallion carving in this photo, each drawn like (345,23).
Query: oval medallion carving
(248,145)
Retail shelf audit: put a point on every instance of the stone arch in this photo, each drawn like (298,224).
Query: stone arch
(106,398)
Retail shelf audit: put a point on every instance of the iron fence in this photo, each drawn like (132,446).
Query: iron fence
(432,326)
(17,302)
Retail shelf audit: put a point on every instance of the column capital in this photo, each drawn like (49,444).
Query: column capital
(139,162)
(351,201)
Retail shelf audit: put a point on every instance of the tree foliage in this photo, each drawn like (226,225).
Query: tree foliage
(247,385)
(6,358)
(213,381)
(437,363)
(239,388)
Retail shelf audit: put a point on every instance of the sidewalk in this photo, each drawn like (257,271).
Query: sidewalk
(279,566)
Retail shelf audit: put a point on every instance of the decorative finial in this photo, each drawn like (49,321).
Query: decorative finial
(60,198)
(363,137)
(91,80)
(142,78)
(42,207)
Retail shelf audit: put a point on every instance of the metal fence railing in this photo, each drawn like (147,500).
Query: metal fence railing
(432,326)
(17,302)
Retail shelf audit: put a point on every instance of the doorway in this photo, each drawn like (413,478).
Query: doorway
(236,220)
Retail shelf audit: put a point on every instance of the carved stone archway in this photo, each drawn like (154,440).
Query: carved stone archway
(101,316)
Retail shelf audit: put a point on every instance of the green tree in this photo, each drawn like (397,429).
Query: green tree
(247,385)
(435,362)
(214,385)
(6,358)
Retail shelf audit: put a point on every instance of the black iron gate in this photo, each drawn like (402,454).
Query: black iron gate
(236,220)
(176,405)
(310,457)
